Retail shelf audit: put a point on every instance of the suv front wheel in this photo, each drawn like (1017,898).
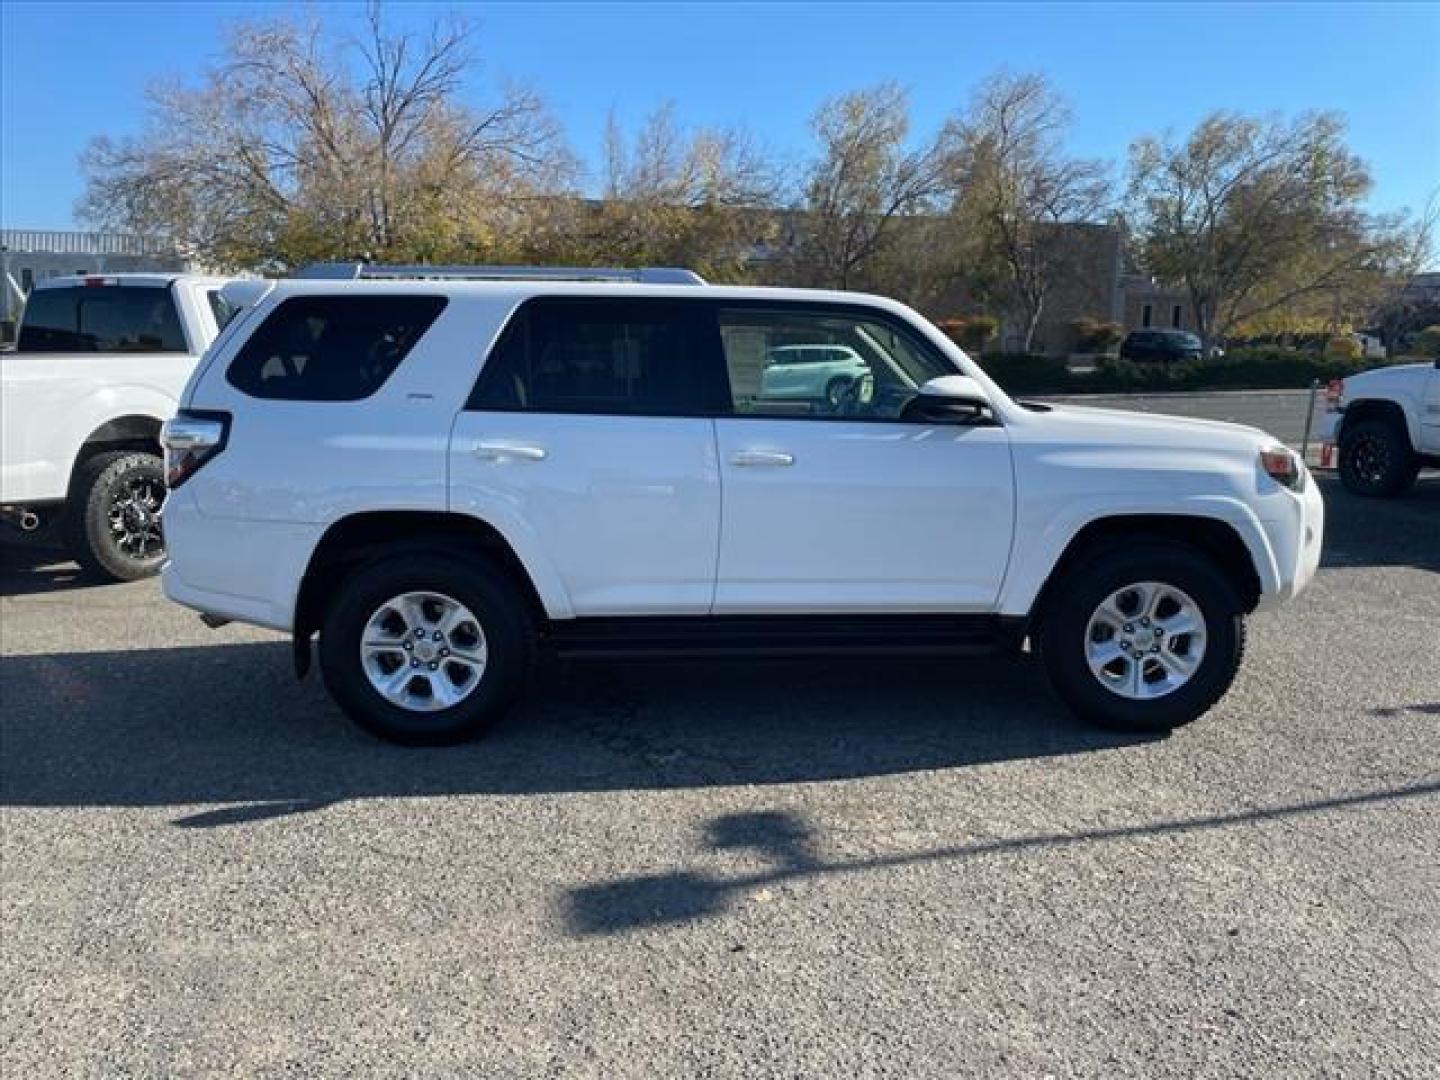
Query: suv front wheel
(1143,636)
(425,649)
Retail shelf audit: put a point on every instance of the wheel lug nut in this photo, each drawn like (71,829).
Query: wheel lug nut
(414,663)
(419,632)
(437,635)
(433,665)
(407,646)
(1129,628)
(444,652)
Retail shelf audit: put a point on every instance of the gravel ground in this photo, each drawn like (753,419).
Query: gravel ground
(876,869)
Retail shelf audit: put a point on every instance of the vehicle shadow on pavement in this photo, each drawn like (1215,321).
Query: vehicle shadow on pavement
(787,844)
(229,725)
(28,567)
(1382,532)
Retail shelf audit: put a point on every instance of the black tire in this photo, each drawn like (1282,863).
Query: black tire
(112,519)
(836,390)
(1376,460)
(1068,610)
(498,608)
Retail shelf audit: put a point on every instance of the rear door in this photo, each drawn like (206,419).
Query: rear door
(590,428)
(847,506)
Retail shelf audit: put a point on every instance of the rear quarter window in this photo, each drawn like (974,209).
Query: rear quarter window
(331,348)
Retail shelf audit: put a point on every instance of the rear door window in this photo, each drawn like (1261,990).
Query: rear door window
(331,348)
(624,357)
(102,318)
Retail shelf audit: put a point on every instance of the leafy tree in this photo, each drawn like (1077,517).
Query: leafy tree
(292,148)
(1258,217)
(1017,193)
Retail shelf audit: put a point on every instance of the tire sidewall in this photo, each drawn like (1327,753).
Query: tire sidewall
(1068,618)
(492,601)
(91,539)
(1400,471)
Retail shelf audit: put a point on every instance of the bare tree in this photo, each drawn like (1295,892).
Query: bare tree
(1254,217)
(294,148)
(1018,195)
(865,179)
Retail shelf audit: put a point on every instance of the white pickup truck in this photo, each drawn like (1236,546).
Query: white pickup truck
(1387,425)
(99,365)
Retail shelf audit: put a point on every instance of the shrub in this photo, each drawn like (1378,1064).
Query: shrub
(972,333)
(1343,348)
(1094,336)
(1427,341)
(1027,373)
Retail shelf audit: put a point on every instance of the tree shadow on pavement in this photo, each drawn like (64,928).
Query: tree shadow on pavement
(229,725)
(787,844)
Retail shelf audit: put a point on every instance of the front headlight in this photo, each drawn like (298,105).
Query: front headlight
(1283,465)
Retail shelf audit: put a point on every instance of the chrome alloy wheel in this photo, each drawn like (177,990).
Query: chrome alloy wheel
(134,518)
(1145,640)
(423,651)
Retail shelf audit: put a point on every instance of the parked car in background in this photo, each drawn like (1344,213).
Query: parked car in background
(812,372)
(605,482)
(98,366)
(1160,346)
(1386,424)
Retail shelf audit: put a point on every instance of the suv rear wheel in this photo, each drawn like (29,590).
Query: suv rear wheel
(1143,636)
(425,649)
(112,522)
(1376,459)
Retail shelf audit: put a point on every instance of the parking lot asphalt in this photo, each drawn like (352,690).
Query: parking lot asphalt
(818,869)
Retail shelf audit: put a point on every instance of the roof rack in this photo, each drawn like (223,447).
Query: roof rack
(643,275)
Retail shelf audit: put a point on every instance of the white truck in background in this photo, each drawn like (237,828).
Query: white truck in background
(99,364)
(1386,423)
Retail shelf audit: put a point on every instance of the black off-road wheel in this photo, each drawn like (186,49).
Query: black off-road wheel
(1142,636)
(426,649)
(1376,460)
(112,523)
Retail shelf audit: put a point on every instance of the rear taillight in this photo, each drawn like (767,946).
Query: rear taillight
(1335,396)
(190,439)
(1283,466)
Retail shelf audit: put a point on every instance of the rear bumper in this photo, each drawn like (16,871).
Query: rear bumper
(246,571)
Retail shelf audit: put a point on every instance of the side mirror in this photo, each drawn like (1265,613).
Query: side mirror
(950,399)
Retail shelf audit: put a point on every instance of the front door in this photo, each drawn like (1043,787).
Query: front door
(843,506)
(589,431)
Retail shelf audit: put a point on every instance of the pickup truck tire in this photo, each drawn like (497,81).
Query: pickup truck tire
(1376,460)
(1123,597)
(425,649)
(112,520)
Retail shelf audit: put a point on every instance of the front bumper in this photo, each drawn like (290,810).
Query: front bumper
(1295,540)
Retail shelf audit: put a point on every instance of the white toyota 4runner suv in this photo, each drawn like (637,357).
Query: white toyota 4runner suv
(442,470)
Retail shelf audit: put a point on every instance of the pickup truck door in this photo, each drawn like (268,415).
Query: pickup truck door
(588,441)
(855,510)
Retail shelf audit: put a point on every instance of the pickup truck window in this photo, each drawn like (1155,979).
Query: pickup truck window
(102,318)
(640,357)
(331,348)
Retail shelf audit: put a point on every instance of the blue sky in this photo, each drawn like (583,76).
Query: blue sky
(74,70)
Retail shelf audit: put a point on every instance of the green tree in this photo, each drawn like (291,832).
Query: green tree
(1255,217)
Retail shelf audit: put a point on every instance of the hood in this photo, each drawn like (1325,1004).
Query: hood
(1117,427)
